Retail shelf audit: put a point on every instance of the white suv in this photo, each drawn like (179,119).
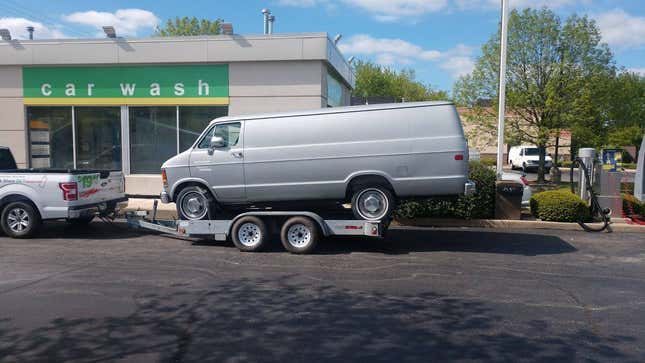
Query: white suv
(527,158)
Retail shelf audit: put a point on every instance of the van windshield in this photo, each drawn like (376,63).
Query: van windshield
(532,151)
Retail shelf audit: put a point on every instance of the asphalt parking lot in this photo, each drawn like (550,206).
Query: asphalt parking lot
(107,293)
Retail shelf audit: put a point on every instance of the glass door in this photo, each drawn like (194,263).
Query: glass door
(98,137)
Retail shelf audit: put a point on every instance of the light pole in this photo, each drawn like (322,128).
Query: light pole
(502,91)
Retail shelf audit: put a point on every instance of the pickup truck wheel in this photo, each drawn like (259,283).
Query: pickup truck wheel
(249,234)
(194,203)
(20,220)
(373,203)
(300,235)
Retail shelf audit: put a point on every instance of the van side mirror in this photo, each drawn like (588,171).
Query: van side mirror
(217,142)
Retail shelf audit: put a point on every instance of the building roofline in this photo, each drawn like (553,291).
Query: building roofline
(177,50)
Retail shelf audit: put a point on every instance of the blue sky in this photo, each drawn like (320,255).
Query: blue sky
(440,39)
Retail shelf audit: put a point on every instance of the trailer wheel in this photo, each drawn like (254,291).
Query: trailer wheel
(20,220)
(249,234)
(300,235)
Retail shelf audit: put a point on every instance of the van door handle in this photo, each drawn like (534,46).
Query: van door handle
(237,154)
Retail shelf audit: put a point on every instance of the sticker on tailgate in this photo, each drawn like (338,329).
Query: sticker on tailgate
(88,184)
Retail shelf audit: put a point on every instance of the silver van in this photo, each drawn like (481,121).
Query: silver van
(370,156)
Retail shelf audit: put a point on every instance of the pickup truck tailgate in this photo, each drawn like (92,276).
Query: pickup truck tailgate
(96,187)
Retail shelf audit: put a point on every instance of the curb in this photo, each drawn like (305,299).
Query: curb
(511,224)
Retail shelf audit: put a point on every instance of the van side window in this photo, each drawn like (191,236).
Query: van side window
(229,132)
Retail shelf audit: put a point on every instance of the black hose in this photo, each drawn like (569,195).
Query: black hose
(595,209)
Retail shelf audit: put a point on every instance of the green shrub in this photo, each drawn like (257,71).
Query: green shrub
(559,206)
(488,161)
(479,205)
(632,206)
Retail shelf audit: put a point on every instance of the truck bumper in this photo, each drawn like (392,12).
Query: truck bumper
(470,188)
(107,206)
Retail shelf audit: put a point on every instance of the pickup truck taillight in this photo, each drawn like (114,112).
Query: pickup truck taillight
(164,178)
(70,191)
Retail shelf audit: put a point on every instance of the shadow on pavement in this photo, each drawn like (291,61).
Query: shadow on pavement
(402,240)
(94,230)
(283,320)
(397,241)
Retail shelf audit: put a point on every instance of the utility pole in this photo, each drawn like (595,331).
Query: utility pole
(502,91)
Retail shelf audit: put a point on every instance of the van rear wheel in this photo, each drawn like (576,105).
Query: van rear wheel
(194,203)
(373,203)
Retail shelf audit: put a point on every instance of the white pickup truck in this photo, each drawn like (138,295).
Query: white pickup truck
(30,196)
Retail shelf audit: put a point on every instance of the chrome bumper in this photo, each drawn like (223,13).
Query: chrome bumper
(96,208)
(470,188)
(165,197)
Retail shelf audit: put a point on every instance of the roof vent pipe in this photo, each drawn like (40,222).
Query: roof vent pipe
(271,20)
(30,29)
(265,15)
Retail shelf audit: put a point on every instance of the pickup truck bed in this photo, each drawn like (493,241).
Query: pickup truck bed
(29,196)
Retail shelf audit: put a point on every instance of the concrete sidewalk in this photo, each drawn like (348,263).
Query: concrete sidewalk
(168,211)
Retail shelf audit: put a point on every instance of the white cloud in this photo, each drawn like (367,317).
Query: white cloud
(398,52)
(127,22)
(621,29)
(458,66)
(640,71)
(394,10)
(18,29)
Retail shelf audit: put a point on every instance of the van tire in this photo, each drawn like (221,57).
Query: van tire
(300,235)
(25,214)
(381,199)
(249,234)
(202,203)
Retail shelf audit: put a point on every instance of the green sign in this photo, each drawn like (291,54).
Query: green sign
(126,85)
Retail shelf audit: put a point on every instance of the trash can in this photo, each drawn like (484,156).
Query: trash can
(508,199)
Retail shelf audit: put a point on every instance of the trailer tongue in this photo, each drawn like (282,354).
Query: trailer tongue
(300,230)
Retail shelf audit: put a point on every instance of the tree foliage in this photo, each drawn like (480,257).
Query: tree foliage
(626,136)
(627,107)
(557,77)
(186,26)
(374,80)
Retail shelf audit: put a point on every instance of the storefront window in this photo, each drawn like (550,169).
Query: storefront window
(194,119)
(98,137)
(50,135)
(153,138)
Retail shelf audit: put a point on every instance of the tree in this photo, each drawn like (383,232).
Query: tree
(627,107)
(626,136)
(556,77)
(189,26)
(374,80)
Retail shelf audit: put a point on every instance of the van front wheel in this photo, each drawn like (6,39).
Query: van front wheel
(194,203)
(373,203)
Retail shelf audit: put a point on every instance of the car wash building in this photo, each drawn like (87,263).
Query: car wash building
(130,104)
